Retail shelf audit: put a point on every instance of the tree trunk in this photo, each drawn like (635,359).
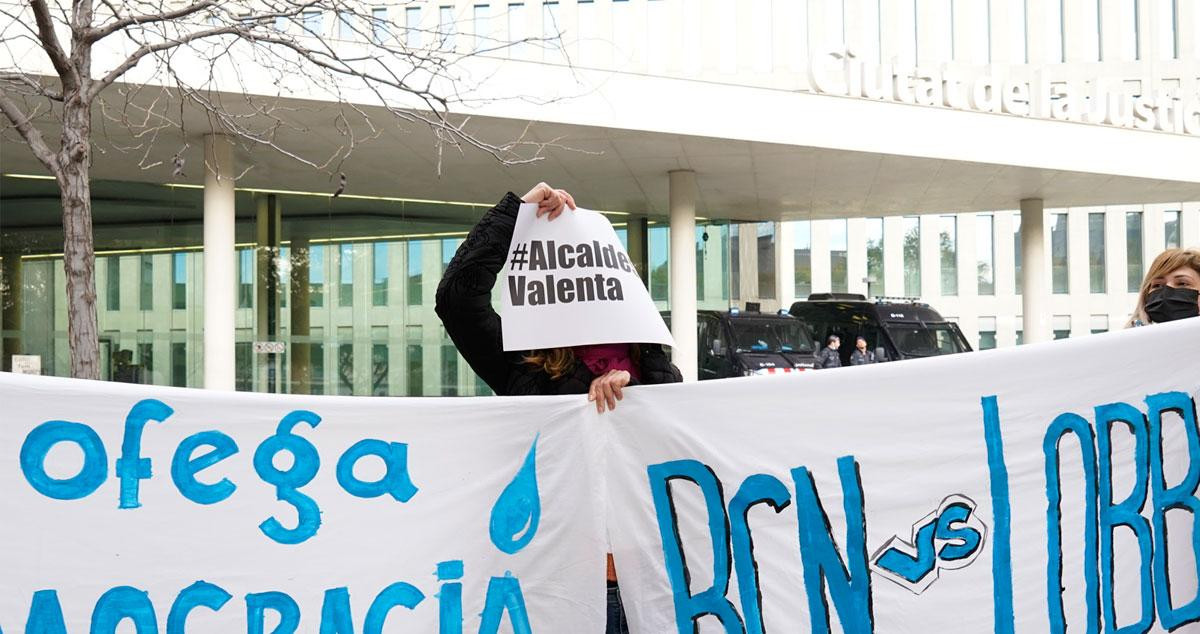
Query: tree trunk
(79,257)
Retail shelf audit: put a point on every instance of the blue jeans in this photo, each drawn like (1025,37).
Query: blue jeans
(616,612)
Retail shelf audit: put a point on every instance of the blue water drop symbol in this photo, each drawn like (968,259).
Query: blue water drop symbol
(518,508)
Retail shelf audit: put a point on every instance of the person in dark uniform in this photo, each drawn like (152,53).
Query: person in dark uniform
(861,355)
(829,357)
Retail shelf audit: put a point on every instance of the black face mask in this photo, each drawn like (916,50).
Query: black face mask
(1168,304)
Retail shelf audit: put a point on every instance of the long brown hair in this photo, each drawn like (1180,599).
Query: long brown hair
(558,361)
(1167,261)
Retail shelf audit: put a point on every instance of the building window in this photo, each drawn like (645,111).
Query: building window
(987,333)
(316,276)
(948,248)
(112,282)
(1062,326)
(449,247)
(1099,324)
(312,21)
(985,257)
(550,20)
(802,256)
(1168,31)
(380,27)
(414,273)
(912,256)
(145,359)
(178,280)
(1017,281)
(839,273)
(701,244)
(243,360)
(1097,246)
(346,29)
(516,29)
(875,259)
(1059,260)
(178,361)
(346,275)
(479,23)
(379,274)
(660,274)
(1133,251)
(766,260)
(412,27)
(1171,227)
(245,278)
(446,27)
(146,282)
(345,361)
(449,369)
(414,362)
(379,361)
(735,261)
(316,359)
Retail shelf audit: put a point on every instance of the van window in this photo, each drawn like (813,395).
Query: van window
(923,340)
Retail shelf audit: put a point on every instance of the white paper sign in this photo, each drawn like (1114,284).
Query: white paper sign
(569,282)
(222,512)
(27,364)
(956,494)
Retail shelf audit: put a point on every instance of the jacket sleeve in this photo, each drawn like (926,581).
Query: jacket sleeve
(464,296)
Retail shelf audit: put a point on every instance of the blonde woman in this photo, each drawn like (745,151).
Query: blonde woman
(1171,289)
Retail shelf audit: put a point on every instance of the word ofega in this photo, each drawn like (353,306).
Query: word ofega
(1103,515)
(128,603)
(949,538)
(546,255)
(847,581)
(563,290)
(204,450)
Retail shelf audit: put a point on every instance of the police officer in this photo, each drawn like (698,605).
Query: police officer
(828,357)
(861,356)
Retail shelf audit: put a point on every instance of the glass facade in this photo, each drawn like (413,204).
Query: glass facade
(766,260)
(1097,246)
(875,256)
(802,257)
(1171,229)
(1134,267)
(839,269)
(912,256)
(1059,260)
(948,249)
(985,260)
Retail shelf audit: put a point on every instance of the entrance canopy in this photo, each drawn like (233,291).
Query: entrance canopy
(758,153)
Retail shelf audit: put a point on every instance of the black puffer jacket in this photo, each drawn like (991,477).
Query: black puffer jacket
(464,304)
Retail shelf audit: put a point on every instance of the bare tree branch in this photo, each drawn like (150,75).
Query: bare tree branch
(30,134)
(49,41)
(96,34)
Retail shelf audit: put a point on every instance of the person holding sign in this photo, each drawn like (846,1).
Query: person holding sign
(601,370)
(1171,289)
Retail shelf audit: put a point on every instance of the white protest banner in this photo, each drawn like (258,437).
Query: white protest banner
(569,282)
(1046,488)
(172,510)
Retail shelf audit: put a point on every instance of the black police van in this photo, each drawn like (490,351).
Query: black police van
(895,329)
(748,343)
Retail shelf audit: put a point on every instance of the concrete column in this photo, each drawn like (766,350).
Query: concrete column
(267,290)
(683,271)
(638,236)
(1035,296)
(10,324)
(785,264)
(220,264)
(300,352)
